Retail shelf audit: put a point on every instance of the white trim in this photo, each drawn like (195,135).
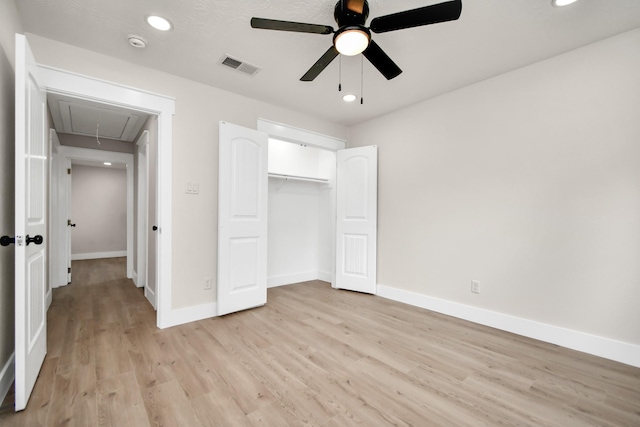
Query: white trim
(325,276)
(98,255)
(180,316)
(297,135)
(134,278)
(598,346)
(290,279)
(76,85)
(7,376)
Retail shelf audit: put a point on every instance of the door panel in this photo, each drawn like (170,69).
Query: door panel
(69,213)
(356,224)
(242,219)
(143,202)
(30,219)
(153,240)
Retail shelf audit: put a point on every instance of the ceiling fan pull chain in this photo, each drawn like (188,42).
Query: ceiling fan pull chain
(340,74)
(361,79)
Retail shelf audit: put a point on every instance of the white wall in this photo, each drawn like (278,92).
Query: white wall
(527,182)
(199,108)
(99,210)
(9,25)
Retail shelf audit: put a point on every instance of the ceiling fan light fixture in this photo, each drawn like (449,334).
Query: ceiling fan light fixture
(349,98)
(560,3)
(352,40)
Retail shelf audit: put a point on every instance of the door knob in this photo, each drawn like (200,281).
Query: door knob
(6,240)
(69,223)
(154,228)
(35,239)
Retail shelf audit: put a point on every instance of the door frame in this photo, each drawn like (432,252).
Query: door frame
(70,84)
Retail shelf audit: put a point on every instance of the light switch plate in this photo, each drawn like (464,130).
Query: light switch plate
(193,187)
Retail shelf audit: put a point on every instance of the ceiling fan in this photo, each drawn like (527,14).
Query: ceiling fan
(352,37)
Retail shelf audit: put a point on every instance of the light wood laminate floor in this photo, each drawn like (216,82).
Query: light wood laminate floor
(313,356)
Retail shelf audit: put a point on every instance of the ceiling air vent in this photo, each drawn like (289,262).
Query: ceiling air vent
(236,64)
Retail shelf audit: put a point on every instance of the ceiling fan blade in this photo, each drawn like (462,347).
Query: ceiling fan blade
(299,27)
(442,12)
(320,65)
(356,6)
(381,61)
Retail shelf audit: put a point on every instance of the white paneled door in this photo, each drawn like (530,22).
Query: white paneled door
(30,225)
(242,218)
(356,222)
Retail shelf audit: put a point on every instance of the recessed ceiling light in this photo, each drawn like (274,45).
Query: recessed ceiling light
(349,98)
(107,163)
(560,3)
(159,23)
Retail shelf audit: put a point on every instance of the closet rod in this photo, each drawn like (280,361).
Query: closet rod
(297,178)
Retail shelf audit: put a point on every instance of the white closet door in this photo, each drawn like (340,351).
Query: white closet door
(242,218)
(30,225)
(356,225)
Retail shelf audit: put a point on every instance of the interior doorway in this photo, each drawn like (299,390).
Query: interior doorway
(62,221)
(64,84)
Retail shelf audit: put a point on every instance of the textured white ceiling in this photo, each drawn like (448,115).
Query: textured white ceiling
(490,38)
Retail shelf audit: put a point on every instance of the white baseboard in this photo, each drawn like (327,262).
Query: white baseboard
(7,375)
(98,255)
(204,311)
(325,276)
(598,346)
(181,316)
(290,279)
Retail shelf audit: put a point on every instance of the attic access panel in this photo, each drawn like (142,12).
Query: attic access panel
(80,117)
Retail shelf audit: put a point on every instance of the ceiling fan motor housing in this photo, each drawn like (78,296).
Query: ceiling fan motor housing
(347,17)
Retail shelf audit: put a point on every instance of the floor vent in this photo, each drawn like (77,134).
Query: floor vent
(236,64)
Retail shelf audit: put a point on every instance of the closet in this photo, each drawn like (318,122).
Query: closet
(293,206)
(301,213)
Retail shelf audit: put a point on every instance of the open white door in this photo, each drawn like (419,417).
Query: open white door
(31,225)
(150,288)
(70,223)
(142,216)
(242,219)
(59,254)
(356,219)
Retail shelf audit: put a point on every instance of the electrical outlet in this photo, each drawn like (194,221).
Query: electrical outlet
(193,187)
(475,286)
(207,283)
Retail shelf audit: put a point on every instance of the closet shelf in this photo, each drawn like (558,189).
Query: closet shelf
(298,178)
